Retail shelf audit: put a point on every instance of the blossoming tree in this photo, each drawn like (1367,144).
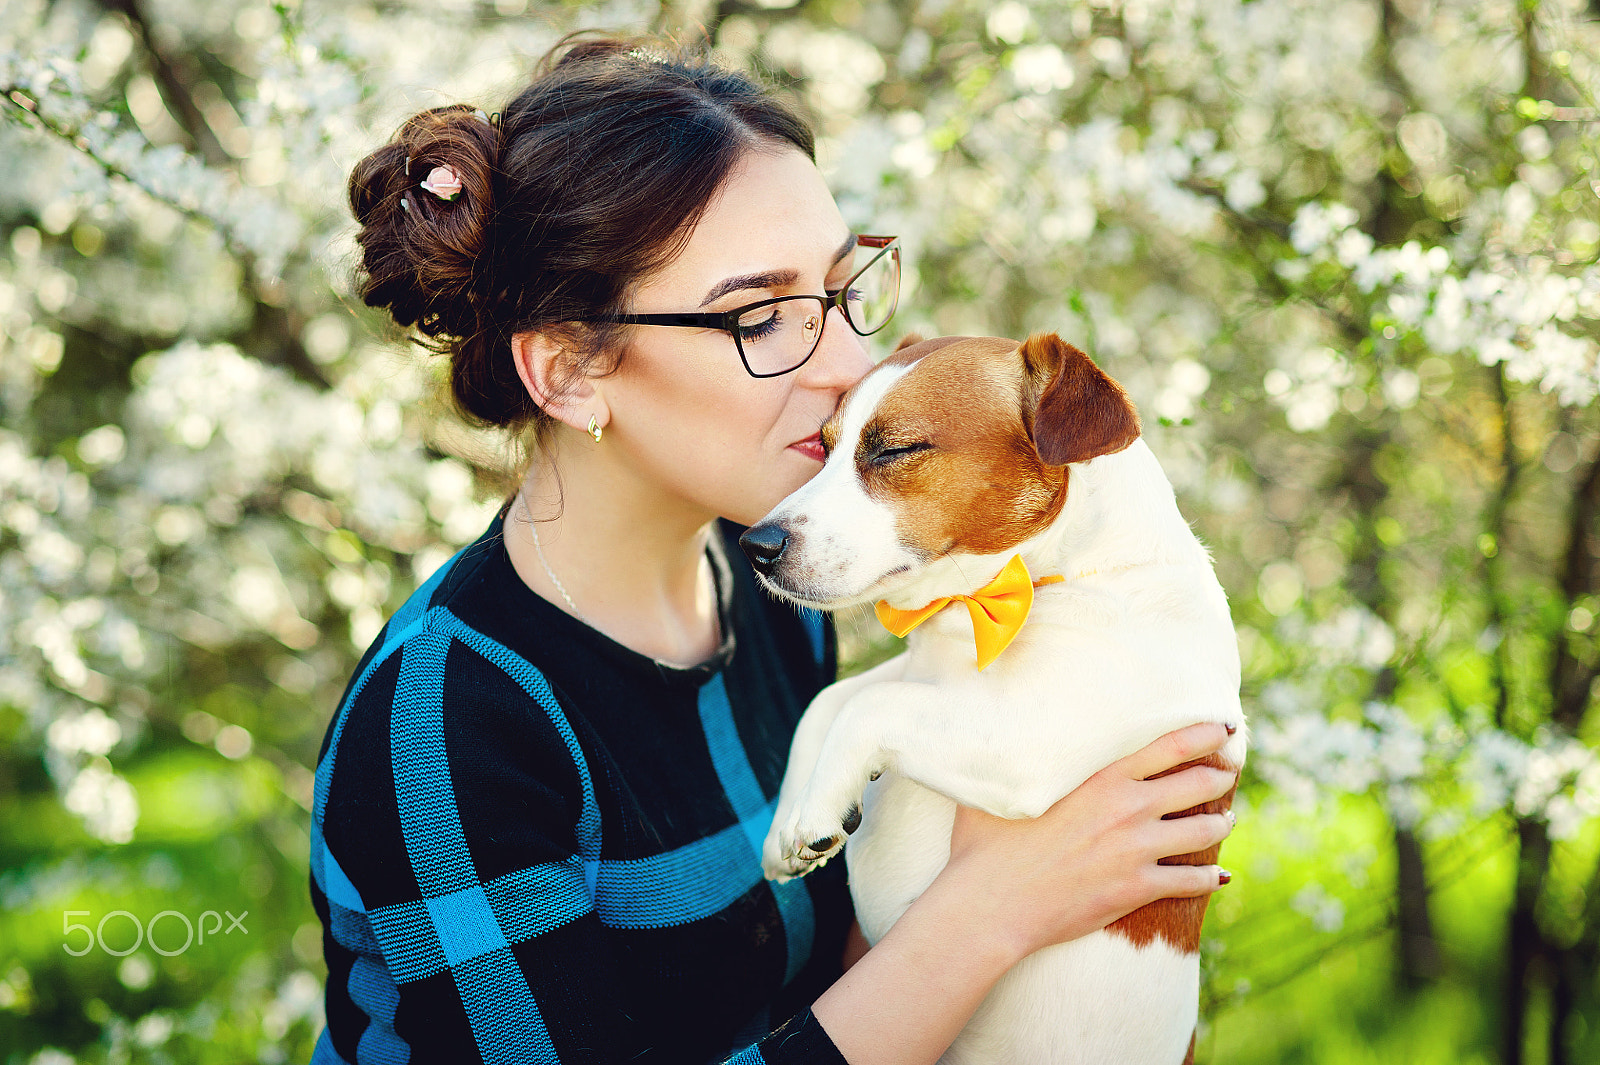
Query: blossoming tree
(1342,253)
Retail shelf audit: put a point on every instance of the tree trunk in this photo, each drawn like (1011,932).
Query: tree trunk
(1525,946)
(1418,949)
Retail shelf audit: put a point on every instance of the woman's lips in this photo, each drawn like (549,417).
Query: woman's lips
(811,447)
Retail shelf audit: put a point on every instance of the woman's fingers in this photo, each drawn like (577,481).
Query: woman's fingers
(1108,835)
(1174,749)
(1186,835)
(1189,788)
(1188,881)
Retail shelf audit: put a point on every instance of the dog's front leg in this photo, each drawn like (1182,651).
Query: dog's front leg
(804,750)
(938,737)
(869,732)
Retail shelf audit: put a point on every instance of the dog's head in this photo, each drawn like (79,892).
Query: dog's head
(955,445)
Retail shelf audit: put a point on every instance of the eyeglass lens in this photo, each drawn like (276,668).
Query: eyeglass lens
(779,336)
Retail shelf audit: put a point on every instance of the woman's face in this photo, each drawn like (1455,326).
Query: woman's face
(684,414)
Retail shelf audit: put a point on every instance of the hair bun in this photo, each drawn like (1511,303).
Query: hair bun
(424,202)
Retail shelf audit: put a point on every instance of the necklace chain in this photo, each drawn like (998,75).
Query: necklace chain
(533,528)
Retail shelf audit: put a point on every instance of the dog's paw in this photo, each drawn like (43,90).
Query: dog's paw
(775,865)
(809,837)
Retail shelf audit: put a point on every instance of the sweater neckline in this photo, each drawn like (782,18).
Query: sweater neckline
(525,599)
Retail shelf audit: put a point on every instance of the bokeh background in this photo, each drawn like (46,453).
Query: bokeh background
(1341,252)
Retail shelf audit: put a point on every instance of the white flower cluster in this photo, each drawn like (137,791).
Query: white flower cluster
(216,436)
(212,514)
(1559,781)
(251,221)
(1308,759)
(1523,315)
(1305,756)
(64,640)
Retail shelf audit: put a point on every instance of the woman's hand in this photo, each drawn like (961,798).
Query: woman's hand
(1091,858)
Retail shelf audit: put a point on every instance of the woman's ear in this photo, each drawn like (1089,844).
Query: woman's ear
(545,366)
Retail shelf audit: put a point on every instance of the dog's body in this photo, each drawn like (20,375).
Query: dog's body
(926,494)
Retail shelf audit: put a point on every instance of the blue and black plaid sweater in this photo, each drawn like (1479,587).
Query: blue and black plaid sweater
(531,844)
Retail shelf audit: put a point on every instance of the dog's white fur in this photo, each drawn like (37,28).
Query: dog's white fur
(1136,642)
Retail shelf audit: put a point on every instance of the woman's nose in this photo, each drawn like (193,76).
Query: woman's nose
(841,358)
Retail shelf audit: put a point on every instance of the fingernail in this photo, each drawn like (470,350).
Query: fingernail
(1231,728)
(1223,876)
(1233,818)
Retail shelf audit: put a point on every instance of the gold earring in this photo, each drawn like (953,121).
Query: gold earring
(594,428)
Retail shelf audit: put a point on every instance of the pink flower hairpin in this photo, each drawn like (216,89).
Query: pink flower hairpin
(443,182)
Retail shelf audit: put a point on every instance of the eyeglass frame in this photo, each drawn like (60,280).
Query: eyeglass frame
(728,321)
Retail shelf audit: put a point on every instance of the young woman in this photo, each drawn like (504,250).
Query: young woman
(540,804)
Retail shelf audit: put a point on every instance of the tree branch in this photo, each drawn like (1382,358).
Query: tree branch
(1495,525)
(174,87)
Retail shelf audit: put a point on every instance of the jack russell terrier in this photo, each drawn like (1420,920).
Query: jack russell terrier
(957,459)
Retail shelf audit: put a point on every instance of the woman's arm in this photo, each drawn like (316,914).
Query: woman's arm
(855,946)
(1090,859)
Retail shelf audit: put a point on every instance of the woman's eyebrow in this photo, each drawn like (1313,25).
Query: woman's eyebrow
(770,278)
(846,248)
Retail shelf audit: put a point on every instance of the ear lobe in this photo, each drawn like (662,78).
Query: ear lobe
(1082,413)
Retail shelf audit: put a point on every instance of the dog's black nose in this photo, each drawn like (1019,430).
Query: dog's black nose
(765,545)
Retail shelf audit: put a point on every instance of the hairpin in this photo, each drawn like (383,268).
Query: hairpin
(443,182)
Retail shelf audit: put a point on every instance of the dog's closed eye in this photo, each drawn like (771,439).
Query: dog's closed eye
(886,455)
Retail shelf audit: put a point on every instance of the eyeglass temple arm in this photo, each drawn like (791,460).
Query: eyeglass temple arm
(709,320)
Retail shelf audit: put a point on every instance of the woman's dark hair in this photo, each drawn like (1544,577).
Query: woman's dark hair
(589,180)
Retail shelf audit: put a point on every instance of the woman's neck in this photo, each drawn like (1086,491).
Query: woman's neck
(632,562)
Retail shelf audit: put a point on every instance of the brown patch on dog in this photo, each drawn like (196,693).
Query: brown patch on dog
(1002,422)
(977,482)
(913,348)
(1081,413)
(1178,920)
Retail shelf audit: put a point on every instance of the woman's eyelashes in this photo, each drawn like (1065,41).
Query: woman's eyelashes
(759,324)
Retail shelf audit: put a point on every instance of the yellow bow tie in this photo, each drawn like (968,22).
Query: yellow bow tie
(998,610)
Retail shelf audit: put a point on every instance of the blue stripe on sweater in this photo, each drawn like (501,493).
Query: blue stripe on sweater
(411,616)
(466,926)
(465,933)
(506,1021)
(532,681)
(739,783)
(429,820)
(373,991)
(323,1053)
(681,885)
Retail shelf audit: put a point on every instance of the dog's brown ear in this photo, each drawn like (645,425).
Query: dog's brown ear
(1081,412)
(908,340)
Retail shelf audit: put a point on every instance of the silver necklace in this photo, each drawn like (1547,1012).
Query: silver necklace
(533,528)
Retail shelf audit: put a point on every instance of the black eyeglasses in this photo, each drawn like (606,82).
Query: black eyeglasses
(778,336)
